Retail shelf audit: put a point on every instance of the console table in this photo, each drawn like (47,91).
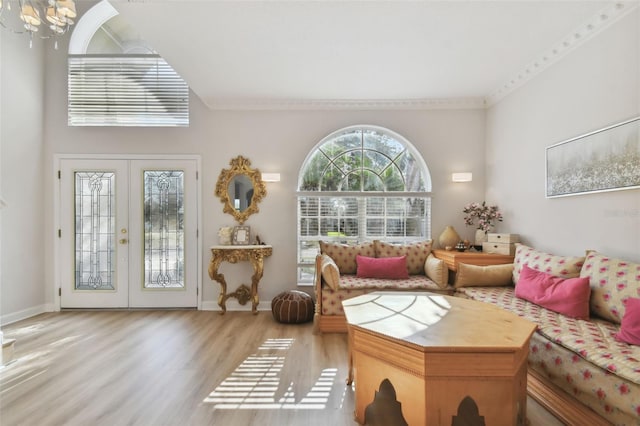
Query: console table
(234,254)
(452,258)
(426,359)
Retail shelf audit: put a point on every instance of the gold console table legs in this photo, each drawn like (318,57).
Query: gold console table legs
(234,254)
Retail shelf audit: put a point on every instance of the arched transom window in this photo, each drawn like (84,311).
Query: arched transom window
(115,78)
(361,183)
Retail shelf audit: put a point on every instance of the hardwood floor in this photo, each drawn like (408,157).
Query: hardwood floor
(177,368)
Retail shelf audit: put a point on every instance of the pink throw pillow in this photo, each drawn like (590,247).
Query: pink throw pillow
(568,296)
(630,328)
(394,268)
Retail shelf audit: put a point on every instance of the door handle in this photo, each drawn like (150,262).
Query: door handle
(124,241)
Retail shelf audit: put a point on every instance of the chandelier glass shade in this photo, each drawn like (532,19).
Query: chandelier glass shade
(42,18)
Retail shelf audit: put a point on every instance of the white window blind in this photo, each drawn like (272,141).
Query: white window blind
(129,90)
(351,219)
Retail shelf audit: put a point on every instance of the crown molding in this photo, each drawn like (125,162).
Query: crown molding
(346,104)
(576,38)
(595,25)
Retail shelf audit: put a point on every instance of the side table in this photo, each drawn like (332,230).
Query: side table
(452,258)
(234,254)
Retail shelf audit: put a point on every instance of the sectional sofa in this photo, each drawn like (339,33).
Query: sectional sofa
(336,277)
(578,367)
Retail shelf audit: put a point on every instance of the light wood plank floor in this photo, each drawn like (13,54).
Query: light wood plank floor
(177,368)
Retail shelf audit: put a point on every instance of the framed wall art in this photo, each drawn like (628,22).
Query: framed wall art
(603,160)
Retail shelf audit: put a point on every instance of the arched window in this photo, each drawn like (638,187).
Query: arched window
(357,184)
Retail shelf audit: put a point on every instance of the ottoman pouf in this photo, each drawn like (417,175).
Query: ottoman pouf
(292,307)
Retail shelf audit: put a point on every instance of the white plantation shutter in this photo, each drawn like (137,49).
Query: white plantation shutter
(361,218)
(129,90)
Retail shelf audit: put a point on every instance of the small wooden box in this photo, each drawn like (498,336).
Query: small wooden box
(499,248)
(503,238)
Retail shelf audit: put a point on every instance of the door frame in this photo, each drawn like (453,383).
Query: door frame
(57,242)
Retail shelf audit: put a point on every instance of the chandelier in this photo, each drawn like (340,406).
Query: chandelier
(54,17)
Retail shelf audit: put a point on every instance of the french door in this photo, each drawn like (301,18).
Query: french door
(128,233)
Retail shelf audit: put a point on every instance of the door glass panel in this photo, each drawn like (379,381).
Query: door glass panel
(95,230)
(163,229)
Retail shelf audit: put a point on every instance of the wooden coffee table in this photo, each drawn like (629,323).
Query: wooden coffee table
(432,359)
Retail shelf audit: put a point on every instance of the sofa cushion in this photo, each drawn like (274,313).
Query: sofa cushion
(483,276)
(352,286)
(630,328)
(559,266)
(437,271)
(416,253)
(394,268)
(610,395)
(566,296)
(345,255)
(612,281)
(592,340)
(414,282)
(330,272)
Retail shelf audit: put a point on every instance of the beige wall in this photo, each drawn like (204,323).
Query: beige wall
(22,159)
(595,85)
(278,141)
(592,87)
(275,141)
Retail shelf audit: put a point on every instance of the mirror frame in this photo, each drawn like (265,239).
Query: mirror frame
(240,166)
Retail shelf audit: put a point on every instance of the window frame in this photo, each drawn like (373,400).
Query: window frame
(305,264)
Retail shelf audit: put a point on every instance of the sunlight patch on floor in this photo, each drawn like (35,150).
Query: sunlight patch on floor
(254,384)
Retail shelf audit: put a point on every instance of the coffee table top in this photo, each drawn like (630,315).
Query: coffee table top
(434,322)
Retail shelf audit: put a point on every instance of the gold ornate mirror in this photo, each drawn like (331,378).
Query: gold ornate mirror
(240,189)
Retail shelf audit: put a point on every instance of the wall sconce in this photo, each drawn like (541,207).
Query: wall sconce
(271,177)
(462,177)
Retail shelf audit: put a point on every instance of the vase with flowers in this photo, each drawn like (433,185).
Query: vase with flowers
(483,217)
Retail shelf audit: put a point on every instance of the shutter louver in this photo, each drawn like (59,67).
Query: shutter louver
(131,90)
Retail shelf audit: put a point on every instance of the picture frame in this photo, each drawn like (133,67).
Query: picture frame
(607,159)
(241,235)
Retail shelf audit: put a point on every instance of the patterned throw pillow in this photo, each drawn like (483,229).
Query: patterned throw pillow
(345,255)
(612,282)
(558,266)
(416,252)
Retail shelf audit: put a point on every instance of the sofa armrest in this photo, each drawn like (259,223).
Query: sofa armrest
(437,271)
(484,276)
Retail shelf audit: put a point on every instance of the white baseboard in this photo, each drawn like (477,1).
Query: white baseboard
(24,314)
(233,305)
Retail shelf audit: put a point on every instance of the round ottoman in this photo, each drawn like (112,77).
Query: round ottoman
(292,307)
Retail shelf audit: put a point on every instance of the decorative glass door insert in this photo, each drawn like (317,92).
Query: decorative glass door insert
(95,236)
(163,229)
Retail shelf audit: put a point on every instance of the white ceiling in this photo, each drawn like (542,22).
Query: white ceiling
(243,54)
